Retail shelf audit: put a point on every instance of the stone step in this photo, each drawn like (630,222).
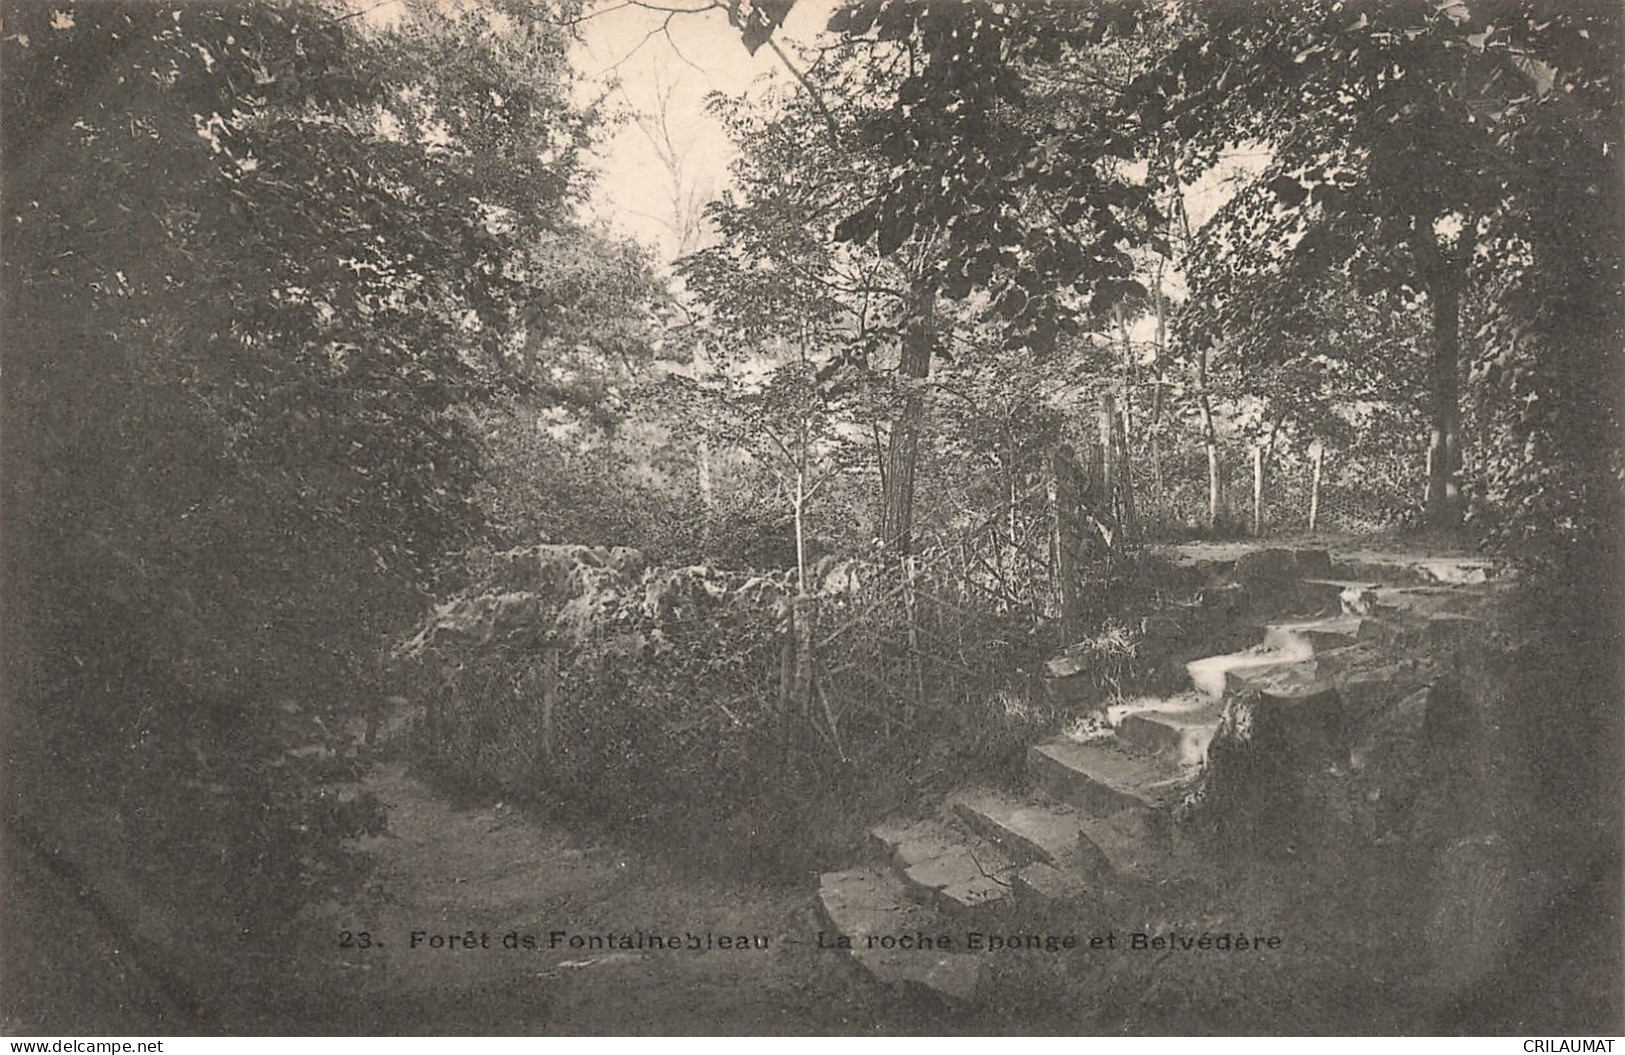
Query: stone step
(1457,571)
(1451,629)
(955,871)
(1027,831)
(1285,661)
(1374,567)
(1342,595)
(1102,777)
(1290,712)
(866,904)
(1180,731)
(1317,634)
(1359,597)
(1396,568)
(1425,601)
(1280,678)
(1218,676)
(1095,852)
(1045,888)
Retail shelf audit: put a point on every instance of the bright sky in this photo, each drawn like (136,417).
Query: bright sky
(690,55)
(683,56)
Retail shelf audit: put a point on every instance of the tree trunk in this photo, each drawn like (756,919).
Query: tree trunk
(1156,395)
(1319,455)
(1108,459)
(799,507)
(1128,519)
(1215,492)
(1258,490)
(1067,539)
(903,446)
(1444,511)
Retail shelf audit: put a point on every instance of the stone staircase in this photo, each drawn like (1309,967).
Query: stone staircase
(1102,828)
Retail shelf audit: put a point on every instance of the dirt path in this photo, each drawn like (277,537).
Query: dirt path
(507,877)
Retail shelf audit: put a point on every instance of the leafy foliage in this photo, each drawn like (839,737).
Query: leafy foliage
(1417,150)
(260,263)
(1015,177)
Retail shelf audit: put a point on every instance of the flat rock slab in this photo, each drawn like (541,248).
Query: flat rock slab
(1288,680)
(870,903)
(958,871)
(1103,777)
(1424,601)
(1027,831)
(1455,628)
(1317,634)
(1137,843)
(1211,553)
(1216,676)
(1351,596)
(1260,567)
(1181,734)
(1458,571)
(1048,887)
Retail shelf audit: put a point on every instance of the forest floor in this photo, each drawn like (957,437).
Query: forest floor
(448,868)
(445,869)
(504,873)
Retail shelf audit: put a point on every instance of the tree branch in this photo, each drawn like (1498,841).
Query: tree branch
(812,92)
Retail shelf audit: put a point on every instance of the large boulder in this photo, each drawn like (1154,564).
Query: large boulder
(1312,563)
(478,619)
(1261,570)
(1386,764)
(682,593)
(1268,748)
(595,602)
(1074,676)
(1299,723)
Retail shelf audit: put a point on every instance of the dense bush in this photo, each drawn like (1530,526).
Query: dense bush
(669,714)
(261,263)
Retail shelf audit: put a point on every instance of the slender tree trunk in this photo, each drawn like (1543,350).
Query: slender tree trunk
(1128,518)
(1215,492)
(1130,374)
(903,446)
(1153,427)
(800,505)
(1319,455)
(1108,458)
(1258,490)
(1067,538)
(787,684)
(1444,507)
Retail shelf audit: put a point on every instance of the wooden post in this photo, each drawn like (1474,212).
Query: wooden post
(1129,520)
(1258,490)
(1316,454)
(1064,511)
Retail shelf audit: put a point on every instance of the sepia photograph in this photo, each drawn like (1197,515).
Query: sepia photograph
(874,518)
